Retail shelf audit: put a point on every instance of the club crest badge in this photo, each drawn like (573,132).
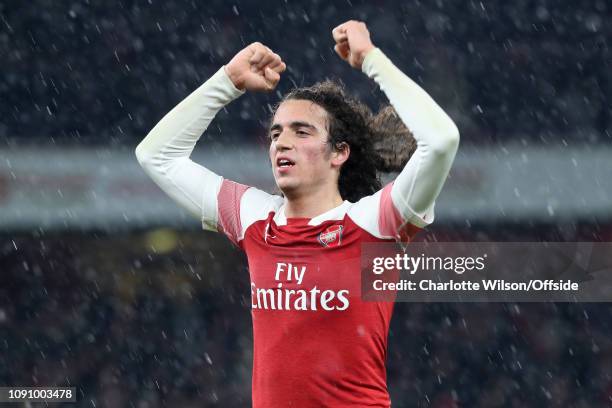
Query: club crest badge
(331,236)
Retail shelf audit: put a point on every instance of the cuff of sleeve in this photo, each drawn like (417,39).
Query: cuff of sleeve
(421,220)
(227,83)
(370,61)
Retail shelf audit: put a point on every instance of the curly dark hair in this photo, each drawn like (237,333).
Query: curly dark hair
(378,143)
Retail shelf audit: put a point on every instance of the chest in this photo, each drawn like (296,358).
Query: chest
(302,256)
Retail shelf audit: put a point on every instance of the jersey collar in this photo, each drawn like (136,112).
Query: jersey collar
(336,213)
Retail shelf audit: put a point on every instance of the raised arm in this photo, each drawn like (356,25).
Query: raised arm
(419,183)
(164,153)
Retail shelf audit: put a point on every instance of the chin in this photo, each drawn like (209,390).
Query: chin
(286,186)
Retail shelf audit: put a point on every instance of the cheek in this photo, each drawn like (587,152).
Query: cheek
(316,154)
(312,155)
(272,151)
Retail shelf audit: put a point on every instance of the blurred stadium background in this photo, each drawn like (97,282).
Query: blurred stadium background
(105,285)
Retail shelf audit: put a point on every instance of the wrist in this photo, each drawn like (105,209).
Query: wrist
(233,77)
(363,54)
(369,57)
(366,52)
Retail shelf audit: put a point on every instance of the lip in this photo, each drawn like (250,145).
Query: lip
(280,169)
(283,170)
(278,158)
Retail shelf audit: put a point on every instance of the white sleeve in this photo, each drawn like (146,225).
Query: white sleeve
(164,153)
(417,186)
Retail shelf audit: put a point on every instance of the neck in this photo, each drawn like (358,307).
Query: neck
(311,205)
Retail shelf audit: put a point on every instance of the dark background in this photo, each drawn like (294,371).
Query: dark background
(159,316)
(104,72)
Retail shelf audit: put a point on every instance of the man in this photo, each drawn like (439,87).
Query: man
(316,343)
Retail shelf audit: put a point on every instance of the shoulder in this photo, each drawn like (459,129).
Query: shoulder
(256,204)
(240,206)
(379,216)
(364,213)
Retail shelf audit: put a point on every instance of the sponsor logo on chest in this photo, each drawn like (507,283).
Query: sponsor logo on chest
(296,294)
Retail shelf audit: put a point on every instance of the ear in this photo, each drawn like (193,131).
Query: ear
(341,153)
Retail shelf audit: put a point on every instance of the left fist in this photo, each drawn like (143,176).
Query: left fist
(352,42)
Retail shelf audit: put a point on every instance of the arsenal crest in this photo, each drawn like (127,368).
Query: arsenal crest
(331,236)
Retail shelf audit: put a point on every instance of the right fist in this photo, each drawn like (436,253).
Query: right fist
(255,68)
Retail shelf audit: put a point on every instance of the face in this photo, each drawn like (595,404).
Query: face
(302,159)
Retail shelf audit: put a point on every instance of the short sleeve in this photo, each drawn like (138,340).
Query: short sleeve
(228,204)
(239,206)
(380,216)
(400,225)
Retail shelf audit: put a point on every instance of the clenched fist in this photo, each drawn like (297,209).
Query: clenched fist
(352,42)
(255,68)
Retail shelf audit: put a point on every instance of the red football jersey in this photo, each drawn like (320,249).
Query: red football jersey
(316,343)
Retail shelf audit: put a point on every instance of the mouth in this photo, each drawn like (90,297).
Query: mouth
(283,163)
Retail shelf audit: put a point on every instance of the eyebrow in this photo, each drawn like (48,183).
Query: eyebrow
(294,125)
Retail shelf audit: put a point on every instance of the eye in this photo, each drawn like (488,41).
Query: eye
(302,132)
(274,136)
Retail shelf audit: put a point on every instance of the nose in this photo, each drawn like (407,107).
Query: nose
(283,142)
